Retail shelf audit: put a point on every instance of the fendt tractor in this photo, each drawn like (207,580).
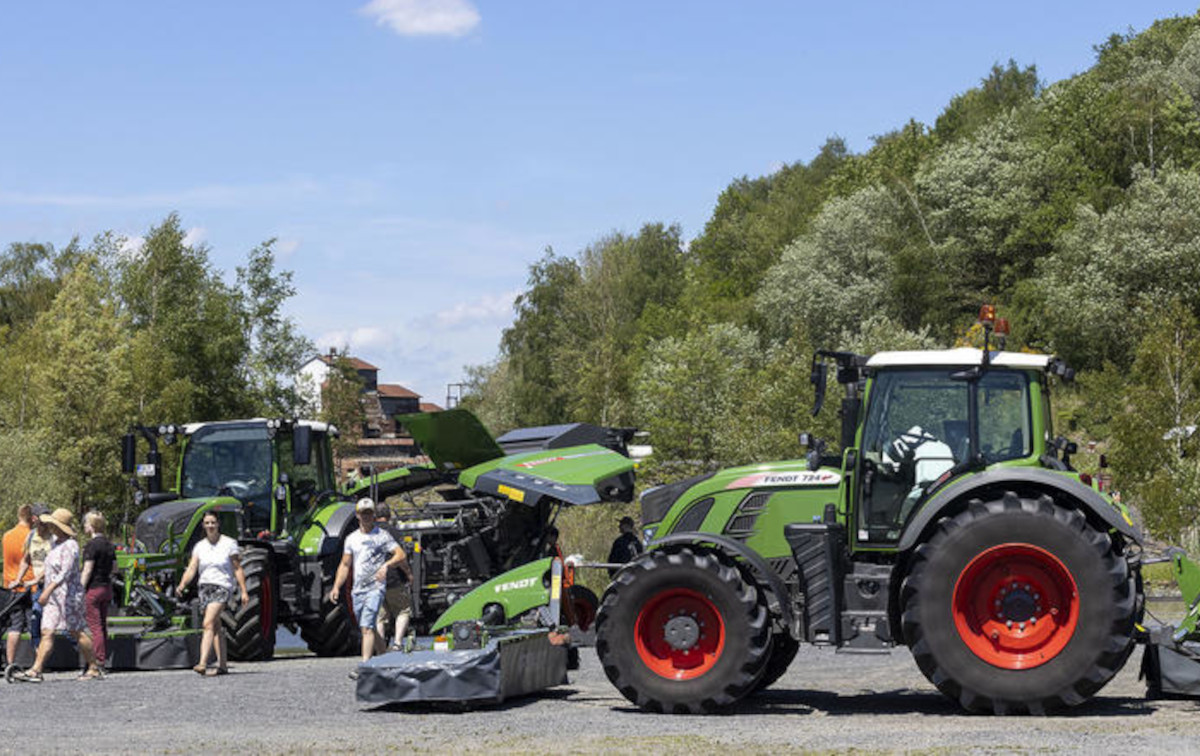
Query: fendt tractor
(951,522)
(272,484)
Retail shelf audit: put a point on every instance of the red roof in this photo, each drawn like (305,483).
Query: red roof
(396,391)
(430,407)
(354,361)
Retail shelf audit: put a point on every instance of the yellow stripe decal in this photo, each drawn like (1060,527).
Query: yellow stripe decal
(515,494)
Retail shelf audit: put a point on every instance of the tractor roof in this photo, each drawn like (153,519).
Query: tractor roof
(964,357)
(191,428)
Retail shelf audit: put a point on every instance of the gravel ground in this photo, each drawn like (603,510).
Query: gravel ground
(827,702)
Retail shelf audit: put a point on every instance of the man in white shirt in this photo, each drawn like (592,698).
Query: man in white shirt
(369,551)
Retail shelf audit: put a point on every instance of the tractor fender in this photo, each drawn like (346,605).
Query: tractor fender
(1091,502)
(778,598)
(334,526)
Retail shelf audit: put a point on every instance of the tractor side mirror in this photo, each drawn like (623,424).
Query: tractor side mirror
(301,444)
(128,453)
(818,378)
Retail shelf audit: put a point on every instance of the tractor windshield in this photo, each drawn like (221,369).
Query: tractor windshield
(917,429)
(227,461)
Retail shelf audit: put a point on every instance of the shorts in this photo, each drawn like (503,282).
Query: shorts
(397,601)
(366,607)
(213,594)
(19,616)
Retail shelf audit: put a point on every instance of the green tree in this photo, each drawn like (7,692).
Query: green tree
(81,387)
(1156,453)
(277,349)
(1004,89)
(341,405)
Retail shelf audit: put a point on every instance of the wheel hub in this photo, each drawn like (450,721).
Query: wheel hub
(1018,605)
(682,632)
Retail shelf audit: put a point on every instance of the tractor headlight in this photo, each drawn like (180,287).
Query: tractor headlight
(648,534)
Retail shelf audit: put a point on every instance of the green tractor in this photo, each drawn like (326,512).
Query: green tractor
(950,522)
(271,481)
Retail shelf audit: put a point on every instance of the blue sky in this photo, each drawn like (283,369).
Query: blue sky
(413,157)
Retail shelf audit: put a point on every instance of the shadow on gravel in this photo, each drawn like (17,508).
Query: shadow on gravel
(900,701)
(455,707)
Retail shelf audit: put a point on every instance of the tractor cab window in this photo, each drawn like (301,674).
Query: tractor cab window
(917,429)
(304,480)
(228,461)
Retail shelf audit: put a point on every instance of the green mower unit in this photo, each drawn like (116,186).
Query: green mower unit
(950,522)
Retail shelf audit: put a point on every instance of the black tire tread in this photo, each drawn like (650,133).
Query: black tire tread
(243,626)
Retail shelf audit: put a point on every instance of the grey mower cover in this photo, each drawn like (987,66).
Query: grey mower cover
(516,664)
(1172,670)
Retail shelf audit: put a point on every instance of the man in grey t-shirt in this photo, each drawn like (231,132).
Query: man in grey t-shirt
(368,551)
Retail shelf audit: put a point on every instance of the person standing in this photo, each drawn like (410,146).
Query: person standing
(13,545)
(217,558)
(369,551)
(98,558)
(35,549)
(397,597)
(626,547)
(62,599)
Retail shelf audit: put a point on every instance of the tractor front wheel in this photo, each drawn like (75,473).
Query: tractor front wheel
(250,629)
(682,632)
(1019,605)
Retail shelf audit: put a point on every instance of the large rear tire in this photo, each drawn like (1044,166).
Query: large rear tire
(250,629)
(335,632)
(682,632)
(1019,605)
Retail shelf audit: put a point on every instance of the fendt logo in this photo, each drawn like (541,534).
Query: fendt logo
(804,478)
(514,585)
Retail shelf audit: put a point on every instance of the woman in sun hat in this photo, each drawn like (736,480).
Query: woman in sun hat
(62,598)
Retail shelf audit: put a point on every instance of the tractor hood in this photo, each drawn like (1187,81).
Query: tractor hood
(456,441)
(453,439)
(586,474)
(158,525)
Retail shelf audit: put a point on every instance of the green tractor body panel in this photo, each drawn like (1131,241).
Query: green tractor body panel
(753,504)
(453,439)
(577,475)
(516,592)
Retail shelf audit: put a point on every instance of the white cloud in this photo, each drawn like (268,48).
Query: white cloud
(357,339)
(489,309)
(413,18)
(131,246)
(194,235)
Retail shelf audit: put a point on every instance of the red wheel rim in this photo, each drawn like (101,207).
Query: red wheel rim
(265,611)
(679,634)
(1016,606)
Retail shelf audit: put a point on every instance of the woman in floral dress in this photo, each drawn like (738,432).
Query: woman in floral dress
(62,599)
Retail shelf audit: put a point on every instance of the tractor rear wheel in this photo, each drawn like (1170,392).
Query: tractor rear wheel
(1019,605)
(250,629)
(682,632)
(335,632)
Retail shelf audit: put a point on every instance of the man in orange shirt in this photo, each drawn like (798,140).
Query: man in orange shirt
(14,550)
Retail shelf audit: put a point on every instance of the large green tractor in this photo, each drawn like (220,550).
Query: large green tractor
(950,522)
(272,484)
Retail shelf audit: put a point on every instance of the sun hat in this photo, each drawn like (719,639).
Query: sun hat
(61,519)
(365,505)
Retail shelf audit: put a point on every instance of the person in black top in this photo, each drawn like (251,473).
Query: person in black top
(397,597)
(98,558)
(626,547)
